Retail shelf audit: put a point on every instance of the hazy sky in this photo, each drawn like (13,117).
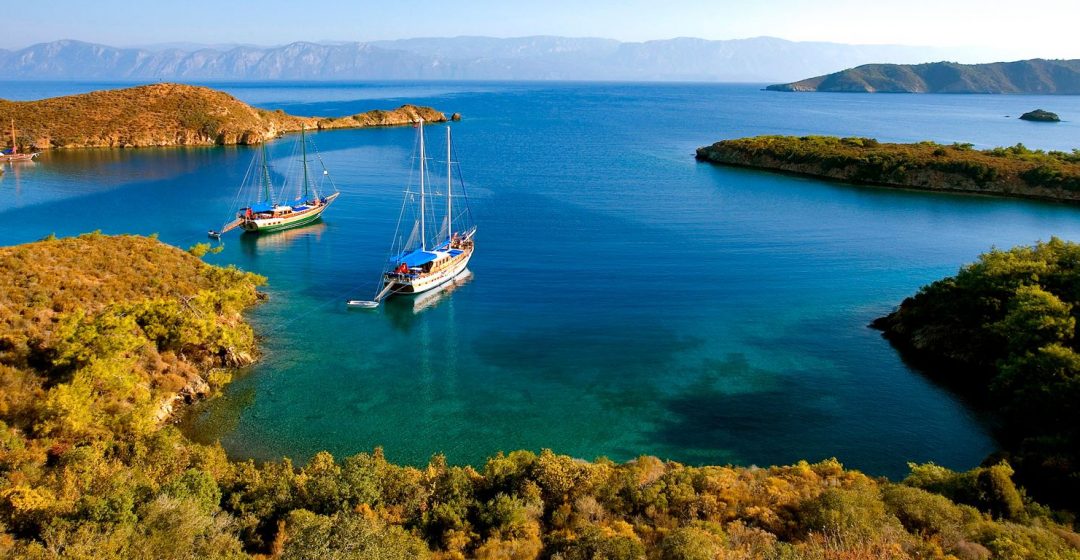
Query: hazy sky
(1045,28)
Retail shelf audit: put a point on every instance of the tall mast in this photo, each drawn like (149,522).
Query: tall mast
(14,144)
(449,185)
(303,146)
(266,176)
(423,161)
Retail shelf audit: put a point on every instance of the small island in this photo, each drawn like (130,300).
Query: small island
(1022,76)
(1015,171)
(98,332)
(1038,115)
(171,115)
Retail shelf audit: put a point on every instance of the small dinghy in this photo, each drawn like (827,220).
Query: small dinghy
(361,304)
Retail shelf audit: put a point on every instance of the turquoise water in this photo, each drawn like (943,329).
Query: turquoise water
(625,299)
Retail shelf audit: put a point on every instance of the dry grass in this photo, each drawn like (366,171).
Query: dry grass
(169,115)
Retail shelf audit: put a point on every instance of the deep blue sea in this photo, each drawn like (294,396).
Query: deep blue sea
(625,299)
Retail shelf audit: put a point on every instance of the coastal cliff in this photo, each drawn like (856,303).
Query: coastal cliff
(171,115)
(1036,76)
(1015,171)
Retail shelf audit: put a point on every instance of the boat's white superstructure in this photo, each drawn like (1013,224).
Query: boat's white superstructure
(442,265)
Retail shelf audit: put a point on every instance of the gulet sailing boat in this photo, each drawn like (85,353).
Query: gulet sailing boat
(419,263)
(13,154)
(266,214)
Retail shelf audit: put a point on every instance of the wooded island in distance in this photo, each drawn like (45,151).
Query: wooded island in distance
(1015,171)
(1035,76)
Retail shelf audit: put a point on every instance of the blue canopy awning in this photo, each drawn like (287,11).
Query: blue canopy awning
(414,258)
(262,207)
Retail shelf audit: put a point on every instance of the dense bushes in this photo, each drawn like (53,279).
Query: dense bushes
(85,472)
(1004,330)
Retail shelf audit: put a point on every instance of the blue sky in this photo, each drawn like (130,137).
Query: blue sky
(1043,28)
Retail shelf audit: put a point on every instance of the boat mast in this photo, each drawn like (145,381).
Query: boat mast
(449,185)
(423,235)
(14,144)
(266,176)
(303,147)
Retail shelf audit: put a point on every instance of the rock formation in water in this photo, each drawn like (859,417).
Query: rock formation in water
(1039,115)
(171,115)
(1023,76)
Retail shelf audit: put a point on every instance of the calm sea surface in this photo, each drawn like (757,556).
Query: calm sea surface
(625,299)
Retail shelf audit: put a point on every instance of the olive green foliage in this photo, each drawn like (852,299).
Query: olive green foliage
(86,471)
(1015,170)
(1004,331)
(98,334)
(202,249)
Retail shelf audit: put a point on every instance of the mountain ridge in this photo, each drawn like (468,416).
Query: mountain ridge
(758,59)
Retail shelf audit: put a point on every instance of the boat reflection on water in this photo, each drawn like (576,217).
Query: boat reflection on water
(11,173)
(281,240)
(432,298)
(403,311)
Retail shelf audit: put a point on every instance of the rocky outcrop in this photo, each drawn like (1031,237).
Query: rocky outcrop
(171,115)
(196,389)
(1038,115)
(1023,76)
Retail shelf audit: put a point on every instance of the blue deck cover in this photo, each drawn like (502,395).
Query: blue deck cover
(262,207)
(415,258)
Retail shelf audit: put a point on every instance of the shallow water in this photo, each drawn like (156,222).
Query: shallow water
(625,299)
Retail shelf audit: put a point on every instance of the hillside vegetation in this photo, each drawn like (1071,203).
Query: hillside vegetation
(85,473)
(170,115)
(1003,331)
(1015,171)
(1022,76)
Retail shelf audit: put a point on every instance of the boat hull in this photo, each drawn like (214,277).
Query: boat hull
(300,219)
(278,224)
(430,281)
(13,158)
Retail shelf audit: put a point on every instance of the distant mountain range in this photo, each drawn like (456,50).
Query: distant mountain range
(1023,76)
(761,59)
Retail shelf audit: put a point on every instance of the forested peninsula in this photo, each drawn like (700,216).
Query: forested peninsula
(97,332)
(1003,333)
(1035,76)
(1015,171)
(171,115)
